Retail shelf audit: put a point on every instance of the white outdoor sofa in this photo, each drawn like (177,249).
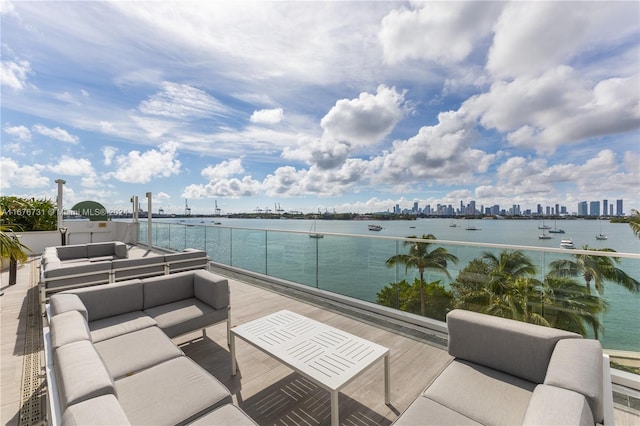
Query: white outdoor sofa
(507,372)
(110,358)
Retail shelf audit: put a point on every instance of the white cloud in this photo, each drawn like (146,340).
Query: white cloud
(15,176)
(136,167)
(224,169)
(21,133)
(229,188)
(15,74)
(72,167)
(442,32)
(182,101)
(365,120)
(56,133)
(267,116)
(531,37)
(108,152)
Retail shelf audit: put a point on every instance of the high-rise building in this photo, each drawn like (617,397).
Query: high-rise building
(605,207)
(557,212)
(594,208)
(619,210)
(539,209)
(582,209)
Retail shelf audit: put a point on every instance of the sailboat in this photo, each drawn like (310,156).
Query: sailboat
(601,236)
(556,230)
(314,234)
(544,235)
(543,226)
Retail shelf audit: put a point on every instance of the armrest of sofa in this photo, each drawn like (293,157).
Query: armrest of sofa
(65,302)
(211,289)
(102,410)
(67,328)
(577,365)
(517,348)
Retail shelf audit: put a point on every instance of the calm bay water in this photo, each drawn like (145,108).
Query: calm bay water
(358,263)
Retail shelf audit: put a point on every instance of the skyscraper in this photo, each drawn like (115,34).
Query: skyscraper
(582,209)
(605,207)
(619,210)
(594,208)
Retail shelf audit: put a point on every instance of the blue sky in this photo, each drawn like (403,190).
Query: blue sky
(346,106)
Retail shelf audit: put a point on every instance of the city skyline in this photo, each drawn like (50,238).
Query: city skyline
(345,106)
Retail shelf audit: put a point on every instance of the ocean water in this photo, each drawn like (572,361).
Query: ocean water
(355,266)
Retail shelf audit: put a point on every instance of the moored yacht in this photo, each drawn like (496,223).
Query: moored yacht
(567,243)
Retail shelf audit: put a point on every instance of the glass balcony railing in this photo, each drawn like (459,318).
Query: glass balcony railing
(586,291)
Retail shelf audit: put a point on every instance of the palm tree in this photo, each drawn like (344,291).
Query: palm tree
(594,268)
(567,305)
(423,259)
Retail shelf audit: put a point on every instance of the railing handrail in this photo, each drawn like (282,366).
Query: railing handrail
(436,241)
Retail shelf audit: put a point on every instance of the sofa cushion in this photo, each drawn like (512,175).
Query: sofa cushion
(174,392)
(211,289)
(228,414)
(80,373)
(426,411)
(106,328)
(100,250)
(550,405)
(186,315)
(482,394)
(577,366)
(103,410)
(64,302)
(189,259)
(167,289)
(108,300)
(129,353)
(72,251)
(67,328)
(515,347)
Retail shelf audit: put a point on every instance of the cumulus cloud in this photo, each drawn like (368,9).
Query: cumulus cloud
(137,167)
(365,120)
(442,32)
(181,101)
(108,152)
(14,175)
(267,116)
(224,169)
(56,133)
(557,108)
(21,133)
(72,167)
(230,188)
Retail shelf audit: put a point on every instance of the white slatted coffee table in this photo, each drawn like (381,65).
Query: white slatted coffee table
(329,357)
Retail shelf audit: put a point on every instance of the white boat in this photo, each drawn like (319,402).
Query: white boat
(567,243)
(543,226)
(601,237)
(375,228)
(314,234)
(544,236)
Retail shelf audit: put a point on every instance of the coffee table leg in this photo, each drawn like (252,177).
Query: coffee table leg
(387,381)
(232,349)
(335,415)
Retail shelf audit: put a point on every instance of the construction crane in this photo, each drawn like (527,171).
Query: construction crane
(217,211)
(187,209)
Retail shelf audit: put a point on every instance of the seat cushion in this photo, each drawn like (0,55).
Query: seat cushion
(174,392)
(129,353)
(185,315)
(550,405)
(100,411)
(65,302)
(107,328)
(482,394)
(426,411)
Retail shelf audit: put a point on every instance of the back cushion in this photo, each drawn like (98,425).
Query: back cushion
(107,300)
(72,252)
(517,348)
(577,365)
(100,249)
(167,289)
